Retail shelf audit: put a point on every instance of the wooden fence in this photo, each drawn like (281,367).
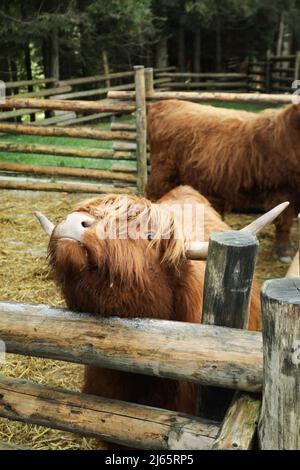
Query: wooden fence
(259,367)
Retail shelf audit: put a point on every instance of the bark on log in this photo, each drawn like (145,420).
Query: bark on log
(78,132)
(207,96)
(280,415)
(105,154)
(239,426)
(204,354)
(76,106)
(141,129)
(111,420)
(62,186)
(64,171)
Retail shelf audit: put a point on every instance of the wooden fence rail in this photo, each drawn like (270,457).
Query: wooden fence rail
(209,355)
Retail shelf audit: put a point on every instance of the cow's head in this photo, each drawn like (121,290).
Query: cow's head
(123,252)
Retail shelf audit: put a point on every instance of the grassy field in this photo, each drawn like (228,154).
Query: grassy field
(70,142)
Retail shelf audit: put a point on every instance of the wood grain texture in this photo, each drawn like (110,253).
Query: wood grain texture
(280,415)
(111,420)
(141,129)
(227,288)
(78,132)
(63,105)
(65,151)
(263,98)
(238,429)
(204,354)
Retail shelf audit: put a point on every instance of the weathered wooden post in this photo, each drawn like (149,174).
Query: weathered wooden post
(227,287)
(268,79)
(280,415)
(149,81)
(297,67)
(141,128)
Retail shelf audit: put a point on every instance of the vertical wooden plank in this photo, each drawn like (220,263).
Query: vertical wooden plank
(297,66)
(227,287)
(268,80)
(141,128)
(280,415)
(239,426)
(149,81)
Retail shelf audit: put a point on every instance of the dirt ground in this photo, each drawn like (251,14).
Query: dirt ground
(24,278)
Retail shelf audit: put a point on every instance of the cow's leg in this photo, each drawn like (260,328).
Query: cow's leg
(162,179)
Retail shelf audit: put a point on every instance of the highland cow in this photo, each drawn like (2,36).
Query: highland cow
(237,159)
(146,276)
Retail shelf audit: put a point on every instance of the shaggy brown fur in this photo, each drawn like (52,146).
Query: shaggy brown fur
(236,159)
(138,278)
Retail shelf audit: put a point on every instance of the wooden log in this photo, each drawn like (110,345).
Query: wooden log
(149,84)
(64,171)
(116,421)
(125,146)
(240,423)
(280,415)
(94,92)
(13,147)
(297,67)
(205,354)
(11,114)
(78,132)
(76,106)
(96,78)
(141,129)
(227,288)
(45,92)
(21,83)
(122,126)
(282,58)
(62,186)
(203,75)
(208,84)
(88,118)
(207,96)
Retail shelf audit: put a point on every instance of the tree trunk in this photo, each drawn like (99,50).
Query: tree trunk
(197,52)
(218,45)
(280,35)
(27,57)
(54,64)
(161,53)
(181,39)
(14,78)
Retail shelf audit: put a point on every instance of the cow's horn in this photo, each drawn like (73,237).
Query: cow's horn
(265,219)
(196,250)
(45,223)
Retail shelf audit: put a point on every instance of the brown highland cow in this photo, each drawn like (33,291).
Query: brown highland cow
(149,276)
(237,159)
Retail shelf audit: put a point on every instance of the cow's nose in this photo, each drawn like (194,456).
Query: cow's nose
(74,226)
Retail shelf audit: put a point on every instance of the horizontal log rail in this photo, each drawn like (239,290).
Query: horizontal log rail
(62,186)
(13,147)
(202,75)
(208,84)
(20,83)
(111,420)
(64,105)
(65,171)
(207,96)
(45,92)
(78,132)
(209,355)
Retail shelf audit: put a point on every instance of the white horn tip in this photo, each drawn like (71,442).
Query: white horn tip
(46,225)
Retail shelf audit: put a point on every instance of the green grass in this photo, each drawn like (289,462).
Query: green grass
(52,160)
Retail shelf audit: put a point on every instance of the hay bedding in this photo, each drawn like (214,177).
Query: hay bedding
(24,278)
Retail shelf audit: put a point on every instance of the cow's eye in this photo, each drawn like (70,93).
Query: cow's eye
(150,236)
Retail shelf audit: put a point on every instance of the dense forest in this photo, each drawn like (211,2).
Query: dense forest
(65,38)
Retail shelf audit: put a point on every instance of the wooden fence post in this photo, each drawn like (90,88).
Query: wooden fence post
(268,80)
(141,128)
(227,288)
(149,81)
(297,66)
(280,415)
